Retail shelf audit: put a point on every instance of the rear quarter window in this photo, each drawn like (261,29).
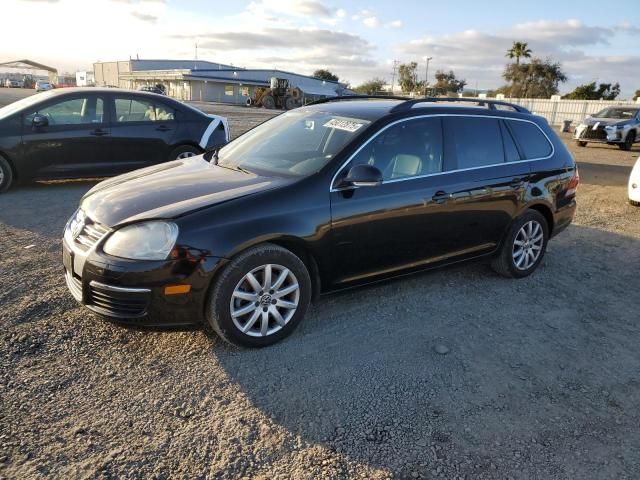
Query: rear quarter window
(533,143)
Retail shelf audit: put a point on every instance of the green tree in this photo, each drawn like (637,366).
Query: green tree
(537,79)
(370,87)
(519,50)
(447,83)
(407,76)
(589,91)
(636,95)
(324,74)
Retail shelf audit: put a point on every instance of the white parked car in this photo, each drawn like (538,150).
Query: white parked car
(43,86)
(634,185)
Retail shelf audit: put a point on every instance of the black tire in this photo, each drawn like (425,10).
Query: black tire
(581,143)
(504,262)
(628,142)
(268,102)
(184,151)
(290,103)
(6,175)
(218,310)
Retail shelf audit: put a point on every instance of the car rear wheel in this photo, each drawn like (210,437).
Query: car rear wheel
(184,151)
(581,143)
(524,246)
(260,297)
(6,175)
(628,142)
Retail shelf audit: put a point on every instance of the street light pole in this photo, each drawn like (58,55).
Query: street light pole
(426,75)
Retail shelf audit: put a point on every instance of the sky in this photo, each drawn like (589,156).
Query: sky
(357,40)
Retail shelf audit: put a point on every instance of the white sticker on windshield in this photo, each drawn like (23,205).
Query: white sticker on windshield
(343,125)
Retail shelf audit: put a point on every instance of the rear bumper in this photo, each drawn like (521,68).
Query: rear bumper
(564,216)
(133,292)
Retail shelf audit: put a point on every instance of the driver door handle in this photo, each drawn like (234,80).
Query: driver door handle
(441,197)
(98,132)
(163,128)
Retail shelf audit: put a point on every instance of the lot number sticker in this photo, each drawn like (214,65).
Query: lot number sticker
(343,125)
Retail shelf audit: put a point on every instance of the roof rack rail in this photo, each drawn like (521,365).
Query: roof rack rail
(357,97)
(491,104)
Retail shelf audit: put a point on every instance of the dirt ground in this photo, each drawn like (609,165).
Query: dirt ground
(540,380)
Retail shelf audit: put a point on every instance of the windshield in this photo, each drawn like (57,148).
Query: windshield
(296,143)
(20,104)
(620,113)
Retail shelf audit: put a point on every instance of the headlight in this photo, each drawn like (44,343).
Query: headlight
(143,241)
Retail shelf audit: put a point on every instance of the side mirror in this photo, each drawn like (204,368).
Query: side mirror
(40,121)
(364,176)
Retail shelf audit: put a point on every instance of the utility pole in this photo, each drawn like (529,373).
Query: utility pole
(393,74)
(196,50)
(426,74)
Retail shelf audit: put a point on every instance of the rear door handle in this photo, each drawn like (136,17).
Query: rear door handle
(441,197)
(163,128)
(98,132)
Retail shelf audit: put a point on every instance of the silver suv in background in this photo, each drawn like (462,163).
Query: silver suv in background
(613,125)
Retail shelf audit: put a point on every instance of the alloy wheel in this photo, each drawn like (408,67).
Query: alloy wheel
(265,300)
(527,246)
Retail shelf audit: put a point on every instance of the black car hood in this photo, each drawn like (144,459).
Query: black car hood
(170,190)
(605,121)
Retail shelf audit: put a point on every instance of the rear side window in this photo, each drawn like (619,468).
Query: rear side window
(532,141)
(141,110)
(476,141)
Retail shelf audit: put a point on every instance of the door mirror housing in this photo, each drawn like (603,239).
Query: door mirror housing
(40,121)
(363,175)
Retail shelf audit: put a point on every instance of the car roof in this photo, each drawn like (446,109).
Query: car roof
(65,90)
(375,109)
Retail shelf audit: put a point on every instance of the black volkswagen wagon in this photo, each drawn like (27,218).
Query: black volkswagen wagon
(99,132)
(327,196)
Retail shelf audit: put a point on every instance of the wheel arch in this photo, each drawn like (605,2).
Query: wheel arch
(12,166)
(295,245)
(546,212)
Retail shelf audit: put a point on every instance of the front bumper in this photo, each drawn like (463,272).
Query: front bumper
(600,134)
(133,292)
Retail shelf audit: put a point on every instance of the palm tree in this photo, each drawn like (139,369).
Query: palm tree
(517,50)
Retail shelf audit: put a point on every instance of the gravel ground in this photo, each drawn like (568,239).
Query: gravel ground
(455,373)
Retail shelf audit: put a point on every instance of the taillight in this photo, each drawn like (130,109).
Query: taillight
(572,186)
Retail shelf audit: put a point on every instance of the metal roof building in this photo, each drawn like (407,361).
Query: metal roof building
(206,81)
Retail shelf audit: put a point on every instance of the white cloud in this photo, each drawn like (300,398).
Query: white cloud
(371,22)
(341,13)
(480,56)
(395,24)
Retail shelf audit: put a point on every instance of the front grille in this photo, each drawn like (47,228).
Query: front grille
(597,134)
(118,301)
(91,233)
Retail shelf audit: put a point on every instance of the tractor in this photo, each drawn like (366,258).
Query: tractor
(278,95)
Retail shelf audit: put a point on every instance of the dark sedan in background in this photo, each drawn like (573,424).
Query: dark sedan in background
(97,132)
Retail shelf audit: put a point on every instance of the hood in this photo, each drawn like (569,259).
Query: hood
(170,190)
(605,121)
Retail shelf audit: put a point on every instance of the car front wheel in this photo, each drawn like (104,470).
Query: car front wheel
(260,297)
(6,175)
(524,246)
